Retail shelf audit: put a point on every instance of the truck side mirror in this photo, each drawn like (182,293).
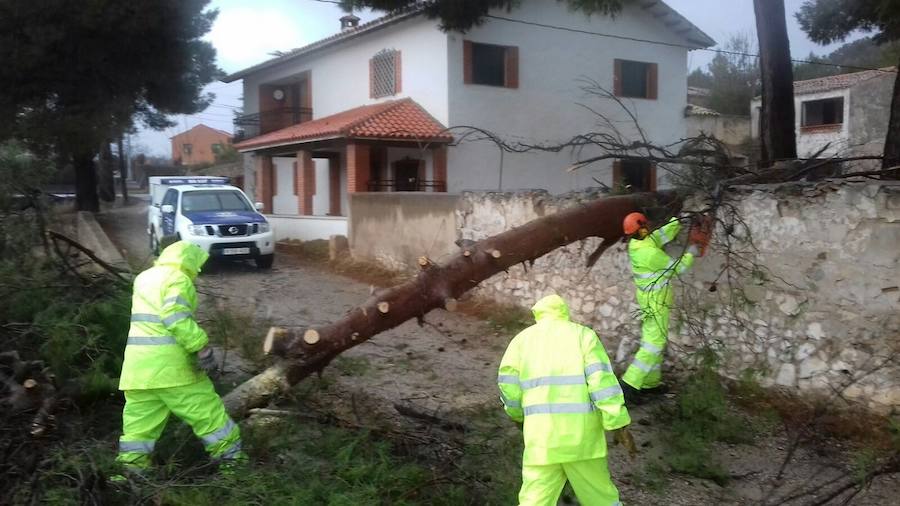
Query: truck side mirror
(168,208)
(259,206)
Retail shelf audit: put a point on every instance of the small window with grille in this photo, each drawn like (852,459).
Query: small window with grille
(384,73)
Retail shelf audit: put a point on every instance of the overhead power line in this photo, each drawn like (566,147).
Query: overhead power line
(672,44)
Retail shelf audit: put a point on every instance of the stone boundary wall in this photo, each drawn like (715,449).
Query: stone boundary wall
(821,312)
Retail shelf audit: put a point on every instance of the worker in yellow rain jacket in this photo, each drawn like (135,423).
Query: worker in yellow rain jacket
(557,380)
(653,271)
(165,353)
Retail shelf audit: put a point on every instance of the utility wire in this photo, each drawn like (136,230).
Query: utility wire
(670,44)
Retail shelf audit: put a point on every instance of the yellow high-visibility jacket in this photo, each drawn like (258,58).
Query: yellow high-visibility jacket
(556,378)
(164,337)
(652,268)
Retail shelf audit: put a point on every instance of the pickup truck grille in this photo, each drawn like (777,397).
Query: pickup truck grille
(233,230)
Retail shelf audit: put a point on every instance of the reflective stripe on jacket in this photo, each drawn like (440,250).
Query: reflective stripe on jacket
(164,336)
(652,267)
(556,378)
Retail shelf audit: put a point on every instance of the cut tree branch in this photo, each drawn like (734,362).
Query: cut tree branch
(438,286)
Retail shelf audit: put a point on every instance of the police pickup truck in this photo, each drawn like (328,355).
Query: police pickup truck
(210,213)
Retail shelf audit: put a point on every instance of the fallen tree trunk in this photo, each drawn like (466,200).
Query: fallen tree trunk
(306,351)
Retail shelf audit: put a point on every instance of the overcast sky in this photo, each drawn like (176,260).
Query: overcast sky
(246,31)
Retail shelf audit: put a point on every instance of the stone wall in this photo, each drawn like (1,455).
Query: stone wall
(819,309)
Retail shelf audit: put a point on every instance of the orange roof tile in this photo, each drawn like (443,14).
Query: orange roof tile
(396,119)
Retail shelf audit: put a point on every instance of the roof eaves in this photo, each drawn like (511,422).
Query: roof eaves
(691,32)
(329,41)
(255,146)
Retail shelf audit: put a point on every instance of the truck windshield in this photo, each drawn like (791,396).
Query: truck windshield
(214,200)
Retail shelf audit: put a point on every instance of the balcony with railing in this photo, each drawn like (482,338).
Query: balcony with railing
(406,185)
(259,123)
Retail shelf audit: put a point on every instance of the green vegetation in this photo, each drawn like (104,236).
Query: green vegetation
(233,328)
(352,366)
(701,417)
(652,478)
(78,331)
(310,460)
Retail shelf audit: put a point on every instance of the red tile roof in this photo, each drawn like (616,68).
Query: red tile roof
(840,81)
(402,119)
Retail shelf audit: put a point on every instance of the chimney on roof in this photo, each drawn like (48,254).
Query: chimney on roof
(349,22)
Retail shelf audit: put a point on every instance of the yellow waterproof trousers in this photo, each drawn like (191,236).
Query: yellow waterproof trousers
(197,404)
(542,485)
(645,370)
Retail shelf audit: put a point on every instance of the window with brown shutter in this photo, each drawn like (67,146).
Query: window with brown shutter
(490,64)
(384,74)
(634,79)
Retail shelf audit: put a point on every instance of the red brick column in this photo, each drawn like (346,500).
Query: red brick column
(334,186)
(439,168)
(305,182)
(358,167)
(265,175)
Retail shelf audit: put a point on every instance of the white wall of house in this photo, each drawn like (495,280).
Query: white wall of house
(809,143)
(340,74)
(545,106)
(284,201)
(321,199)
(307,228)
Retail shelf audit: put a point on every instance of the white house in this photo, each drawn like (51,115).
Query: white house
(843,115)
(367,109)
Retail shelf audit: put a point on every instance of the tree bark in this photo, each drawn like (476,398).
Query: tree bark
(306,351)
(123,168)
(777,130)
(892,139)
(85,182)
(107,181)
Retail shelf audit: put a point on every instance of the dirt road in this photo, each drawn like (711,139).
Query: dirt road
(449,367)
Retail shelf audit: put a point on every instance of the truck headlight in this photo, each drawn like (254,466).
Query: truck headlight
(197,230)
(263,228)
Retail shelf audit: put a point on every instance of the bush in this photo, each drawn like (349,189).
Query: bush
(701,417)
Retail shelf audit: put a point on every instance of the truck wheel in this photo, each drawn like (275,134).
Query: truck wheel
(154,243)
(264,261)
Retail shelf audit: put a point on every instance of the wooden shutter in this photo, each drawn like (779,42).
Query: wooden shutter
(372,78)
(616,174)
(398,73)
(467,61)
(652,81)
(297,176)
(512,67)
(617,78)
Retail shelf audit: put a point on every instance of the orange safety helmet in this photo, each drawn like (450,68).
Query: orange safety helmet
(634,222)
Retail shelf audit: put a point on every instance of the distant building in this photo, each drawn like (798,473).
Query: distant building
(199,145)
(698,96)
(843,115)
(733,131)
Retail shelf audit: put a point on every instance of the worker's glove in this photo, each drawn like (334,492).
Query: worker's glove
(624,438)
(206,360)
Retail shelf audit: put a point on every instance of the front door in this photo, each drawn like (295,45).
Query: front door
(406,175)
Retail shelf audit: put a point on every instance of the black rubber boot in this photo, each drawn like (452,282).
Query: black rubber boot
(633,396)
